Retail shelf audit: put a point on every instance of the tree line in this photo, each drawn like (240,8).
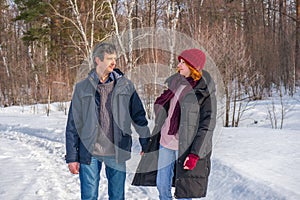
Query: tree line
(254,43)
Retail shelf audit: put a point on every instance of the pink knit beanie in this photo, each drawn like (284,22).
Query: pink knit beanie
(194,57)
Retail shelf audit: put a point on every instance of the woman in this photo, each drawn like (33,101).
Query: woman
(179,150)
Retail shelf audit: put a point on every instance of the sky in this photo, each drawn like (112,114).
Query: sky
(252,161)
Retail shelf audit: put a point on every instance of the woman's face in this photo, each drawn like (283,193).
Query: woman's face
(183,69)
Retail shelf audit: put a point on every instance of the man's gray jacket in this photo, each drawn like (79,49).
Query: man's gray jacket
(83,121)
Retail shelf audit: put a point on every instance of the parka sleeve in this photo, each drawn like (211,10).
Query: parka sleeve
(140,123)
(202,144)
(72,136)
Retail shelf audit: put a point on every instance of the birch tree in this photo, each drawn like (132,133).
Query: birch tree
(85,19)
(297,43)
(172,13)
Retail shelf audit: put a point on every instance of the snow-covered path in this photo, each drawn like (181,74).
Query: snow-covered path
(34,169)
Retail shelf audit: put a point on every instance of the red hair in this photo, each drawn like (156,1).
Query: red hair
(195,74)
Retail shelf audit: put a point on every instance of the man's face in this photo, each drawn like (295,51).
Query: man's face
(107,65)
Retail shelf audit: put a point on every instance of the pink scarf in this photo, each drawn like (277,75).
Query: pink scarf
(168,94)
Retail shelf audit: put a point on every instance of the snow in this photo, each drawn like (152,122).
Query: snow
(252,161)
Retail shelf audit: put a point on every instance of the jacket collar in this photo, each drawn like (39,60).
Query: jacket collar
(114,75)
(204,85)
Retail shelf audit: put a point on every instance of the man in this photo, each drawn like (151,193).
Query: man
(103,107)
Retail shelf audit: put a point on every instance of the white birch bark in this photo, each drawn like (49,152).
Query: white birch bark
(129,9)
(75,10)
(173,15)
(117,31)
(5,62)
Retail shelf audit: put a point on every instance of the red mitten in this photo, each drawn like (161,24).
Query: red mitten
(190,161)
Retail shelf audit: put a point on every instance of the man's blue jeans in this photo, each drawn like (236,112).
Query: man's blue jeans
(165,173)
(90,177)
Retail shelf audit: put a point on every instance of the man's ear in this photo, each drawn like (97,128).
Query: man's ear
(97,60)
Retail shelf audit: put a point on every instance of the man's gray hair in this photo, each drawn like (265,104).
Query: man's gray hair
(100,50)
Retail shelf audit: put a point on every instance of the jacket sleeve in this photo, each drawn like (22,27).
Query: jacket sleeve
(72,138)
(202,144)
(140,123)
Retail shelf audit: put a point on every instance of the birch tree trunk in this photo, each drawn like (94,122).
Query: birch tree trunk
(84,25)
(297,41)
(173,15)
(129,8)
(117,32)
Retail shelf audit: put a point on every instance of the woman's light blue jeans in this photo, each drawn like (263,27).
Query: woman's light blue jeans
(165,173)
(90,177)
